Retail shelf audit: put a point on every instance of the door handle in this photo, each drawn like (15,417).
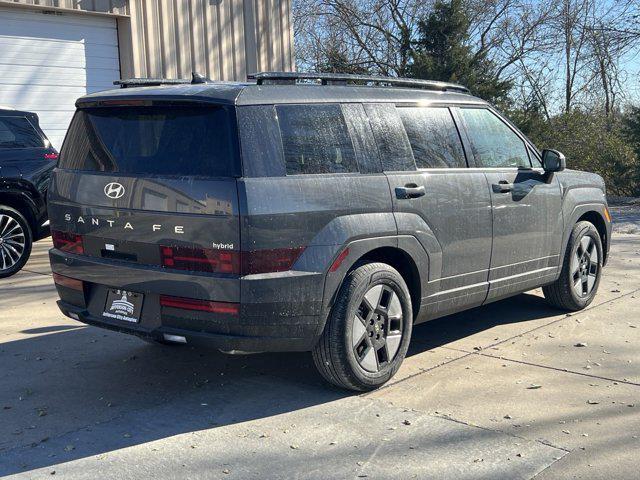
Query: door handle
(502,187)
(410,190)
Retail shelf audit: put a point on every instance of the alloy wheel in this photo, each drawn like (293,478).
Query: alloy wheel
(12,242)
(585,266)
(377,328)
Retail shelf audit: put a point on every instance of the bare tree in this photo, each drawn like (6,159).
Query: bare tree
(376,35)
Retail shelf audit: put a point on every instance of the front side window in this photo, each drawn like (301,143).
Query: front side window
(17,132)
(433,136)
(315,139)
(494,144)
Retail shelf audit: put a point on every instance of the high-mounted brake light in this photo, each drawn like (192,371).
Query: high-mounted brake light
(51,156)
(67,242)
(199,305)
(68,282)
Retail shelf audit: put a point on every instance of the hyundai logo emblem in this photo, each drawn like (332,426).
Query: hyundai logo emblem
(114,190)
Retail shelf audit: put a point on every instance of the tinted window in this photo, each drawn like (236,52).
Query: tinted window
(260,141)
(391,138)
(433,136)
(315,139)
(494,144)
(362,138)
(17,132)
(151,140)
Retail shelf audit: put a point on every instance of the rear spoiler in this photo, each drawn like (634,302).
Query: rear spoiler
(196,78)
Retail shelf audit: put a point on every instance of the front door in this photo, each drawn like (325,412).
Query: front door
(525,203)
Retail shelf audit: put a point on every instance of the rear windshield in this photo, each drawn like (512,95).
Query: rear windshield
(159,140)
(18,132)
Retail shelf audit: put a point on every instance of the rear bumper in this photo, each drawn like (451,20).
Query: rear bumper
(277,312)
(243,343)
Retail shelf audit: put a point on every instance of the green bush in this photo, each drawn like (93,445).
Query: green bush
(591,142)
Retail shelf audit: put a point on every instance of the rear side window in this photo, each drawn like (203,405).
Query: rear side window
(391,138)
(158,140)
(433,136)
(494,144)
(18,132)
(315,139)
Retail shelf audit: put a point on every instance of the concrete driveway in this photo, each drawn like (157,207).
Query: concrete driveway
(511,390)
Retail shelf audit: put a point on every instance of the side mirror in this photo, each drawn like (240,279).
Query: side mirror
(553,161)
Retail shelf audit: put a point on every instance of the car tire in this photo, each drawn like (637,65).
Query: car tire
(368,331)
(16,239)
(581,270)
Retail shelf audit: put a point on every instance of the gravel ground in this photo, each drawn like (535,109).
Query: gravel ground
(626,218)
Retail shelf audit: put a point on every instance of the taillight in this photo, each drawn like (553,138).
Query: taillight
(274,260)
(199,305)
(51,156)
(200,259)
(68,282)
(232,262)
(67,242)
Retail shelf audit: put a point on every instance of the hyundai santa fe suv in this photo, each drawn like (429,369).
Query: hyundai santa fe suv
(26,161)
(311,212)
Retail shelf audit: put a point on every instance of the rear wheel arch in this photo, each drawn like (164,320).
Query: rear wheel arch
(404,263)
(23,205)
(403,253)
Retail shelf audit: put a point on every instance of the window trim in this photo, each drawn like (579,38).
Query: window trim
(509,125)
(449,108)
(35,129)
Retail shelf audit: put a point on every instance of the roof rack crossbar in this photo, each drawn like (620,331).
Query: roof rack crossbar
(154,82)
(291,78)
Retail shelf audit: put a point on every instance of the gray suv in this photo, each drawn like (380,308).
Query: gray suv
(310,212)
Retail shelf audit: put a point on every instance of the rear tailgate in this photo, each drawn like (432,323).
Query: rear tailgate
(151,191)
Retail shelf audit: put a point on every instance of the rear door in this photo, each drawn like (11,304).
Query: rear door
(526,205)
(153,185)
(437,199)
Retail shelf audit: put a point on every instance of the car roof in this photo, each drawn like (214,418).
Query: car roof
(8,111)
(236,93)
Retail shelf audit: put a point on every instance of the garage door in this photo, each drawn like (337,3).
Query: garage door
(49,60)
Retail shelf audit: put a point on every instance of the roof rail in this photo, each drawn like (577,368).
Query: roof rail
(154,82)
(291,78)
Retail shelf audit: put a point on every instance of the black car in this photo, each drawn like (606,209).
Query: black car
(26,161)
(330,216)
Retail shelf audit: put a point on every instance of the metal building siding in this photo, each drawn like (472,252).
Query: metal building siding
(117,7)
(222,39)
(48,61)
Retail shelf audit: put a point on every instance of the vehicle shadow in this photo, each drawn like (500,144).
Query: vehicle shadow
(66,395)
(442,331)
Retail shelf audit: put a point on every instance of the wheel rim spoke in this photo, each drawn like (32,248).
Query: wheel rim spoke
(369,360)
(12,242)
(376,332)
(575,263)
(585,266)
